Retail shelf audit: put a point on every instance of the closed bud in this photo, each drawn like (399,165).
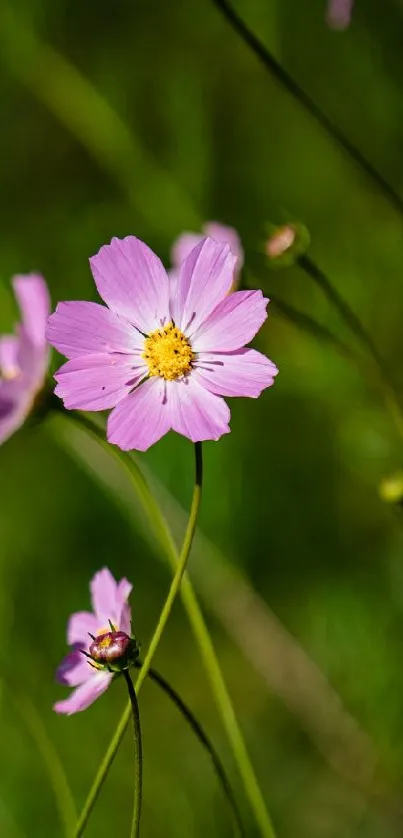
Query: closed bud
(285,243)
(114,651)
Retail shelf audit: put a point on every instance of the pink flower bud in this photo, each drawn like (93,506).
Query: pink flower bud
(281,240)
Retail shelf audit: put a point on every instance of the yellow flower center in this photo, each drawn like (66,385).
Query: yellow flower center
(168,353)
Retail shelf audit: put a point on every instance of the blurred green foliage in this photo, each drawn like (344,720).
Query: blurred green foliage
(148,118)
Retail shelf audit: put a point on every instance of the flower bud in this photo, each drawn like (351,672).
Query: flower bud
(285,243)
(114,651)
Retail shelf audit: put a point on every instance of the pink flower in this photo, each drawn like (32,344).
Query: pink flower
(339,13)
(109,602)
(161,363)
(214,230)
(24,356)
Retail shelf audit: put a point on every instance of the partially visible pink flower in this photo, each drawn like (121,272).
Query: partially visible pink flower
(339,13)
(109,603)
(24,356)
(162,363)
(214,230)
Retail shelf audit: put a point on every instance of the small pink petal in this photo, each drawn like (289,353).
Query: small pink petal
(74,669)
(133,282)
(142,418)
(104,590)
(32,294)
(14,408)
(244,372)
(205,278)
(221,233)
(80,626)
(195,412)
(183,246)
(123,591)
(78,328)
(232,324)
(98,381)
(9,366)
(84,695)
(124,619)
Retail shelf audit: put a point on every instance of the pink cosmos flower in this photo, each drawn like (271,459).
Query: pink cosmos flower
(339,13)
(109,602)
(184,245)
(24,356)
(161,362)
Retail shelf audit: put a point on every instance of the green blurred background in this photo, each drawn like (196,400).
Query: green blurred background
(150,118)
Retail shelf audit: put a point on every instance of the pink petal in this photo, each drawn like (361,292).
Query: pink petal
(196,413)
(222,233)
(339,13)
(104,590)
(205,278)
(124,590)
(79,328)
(184,245)
(80,626)
(244,372)
(233,323)
(15,405)
(124,621)
(86,694)
(133,282)
(32,294)
(142,418)
(9,366)
(98,382)
(74,669)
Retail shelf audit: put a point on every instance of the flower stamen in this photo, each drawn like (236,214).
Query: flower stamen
(168,353)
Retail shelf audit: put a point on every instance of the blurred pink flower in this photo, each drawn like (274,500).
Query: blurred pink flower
(162,363)
(24,356)
(339,13)
(109,602)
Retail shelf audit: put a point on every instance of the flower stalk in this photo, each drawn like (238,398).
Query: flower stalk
(201,633)
(197,729)
(138,757)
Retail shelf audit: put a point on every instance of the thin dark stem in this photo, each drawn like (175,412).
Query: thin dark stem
(205,741)
(346,312)
(138,757)
(285,80)
(309,324)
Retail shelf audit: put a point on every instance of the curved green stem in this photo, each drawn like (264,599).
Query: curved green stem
(202,637)
(138,757)
(205,741)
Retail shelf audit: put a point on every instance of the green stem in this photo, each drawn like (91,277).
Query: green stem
(138,757)
(201,634)
(278,72)
(346,312)
(205,741)
(180,566)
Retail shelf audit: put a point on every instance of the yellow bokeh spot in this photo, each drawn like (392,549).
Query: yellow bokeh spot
(168,353)
(391,488)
